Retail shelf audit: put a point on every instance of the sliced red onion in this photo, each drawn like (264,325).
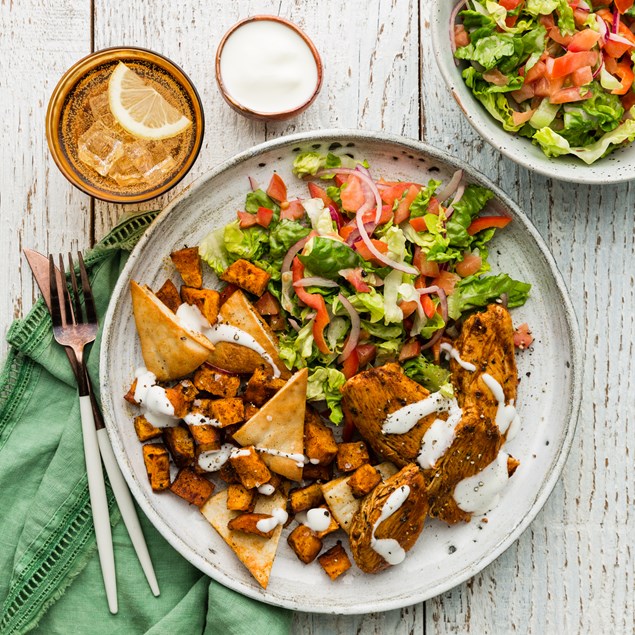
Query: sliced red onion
(614,37)
(598,70)
(616,20)
(428,290)
(504,299)
(353,237)
(288,259)
(451,187)
(315,282)
(353,338)
(584,6)
(453,15)
(601,29)
(336,217)
(458,196)
(435,338)
(294,325)
(363,169)
(253,184)
(399,266)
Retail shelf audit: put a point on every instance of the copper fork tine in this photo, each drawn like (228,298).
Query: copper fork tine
(89,300)
(58,318)
(77,307)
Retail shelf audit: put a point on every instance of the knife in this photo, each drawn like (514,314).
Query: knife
(40,267)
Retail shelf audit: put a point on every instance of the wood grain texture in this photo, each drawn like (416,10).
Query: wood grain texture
(572,570)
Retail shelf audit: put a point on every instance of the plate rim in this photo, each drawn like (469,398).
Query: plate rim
(550,478)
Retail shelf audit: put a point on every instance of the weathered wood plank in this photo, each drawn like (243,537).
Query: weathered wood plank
(572,571)
(39,209)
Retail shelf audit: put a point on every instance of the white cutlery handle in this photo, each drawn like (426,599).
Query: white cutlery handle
(127,508)
(98,502)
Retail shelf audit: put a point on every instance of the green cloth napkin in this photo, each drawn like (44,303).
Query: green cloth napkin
(51,577)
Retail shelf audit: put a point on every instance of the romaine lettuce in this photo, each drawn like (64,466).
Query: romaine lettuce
(327,257)
(325,384)
(429,375)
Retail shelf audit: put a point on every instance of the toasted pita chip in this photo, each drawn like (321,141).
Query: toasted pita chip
(340,499)
(239,312)
(169,351)
(255,552)
(279,426)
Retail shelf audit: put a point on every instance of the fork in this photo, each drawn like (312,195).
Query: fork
(72,331)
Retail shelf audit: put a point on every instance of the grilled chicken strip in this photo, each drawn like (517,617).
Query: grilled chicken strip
(375,530)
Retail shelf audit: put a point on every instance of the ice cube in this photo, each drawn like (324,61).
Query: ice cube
(151,159)
(99,148)
(100,108)
(125,173)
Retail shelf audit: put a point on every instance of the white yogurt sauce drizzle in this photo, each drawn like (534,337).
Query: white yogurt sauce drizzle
(191,318)
(479,493)
(507,419)
(266,489)
(404,419)
(215,459)
(199,419)
(153,400)
(439,437)
(299,459)
(388,548)
(278,517)
(454,354)
(318,519)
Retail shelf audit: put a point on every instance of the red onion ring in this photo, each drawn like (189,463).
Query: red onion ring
(458,196)
(294,325)
(253,184)
(602,29)
(614,37)
(288,259)
(451,187)
(315,282)
(353,237)
(453,15)
(616,20)
(353,337)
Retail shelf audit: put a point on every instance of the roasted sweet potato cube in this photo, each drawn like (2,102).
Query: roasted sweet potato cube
(305,543)
(318,472)
(157,462)
(206,436)
(333,524)
(247,276)
(319,442)
(262,386)
(364,480)
(250,468)
(207,301)
(335,561)
(250,411)
(228,411)
(188,264)
(129,396)
(218,384)
(241,499)
(350,456)
(306,498)
(193,488)
(145,430)
(181,445)
(181,397)
(248,523)
(228,474)
(169,295)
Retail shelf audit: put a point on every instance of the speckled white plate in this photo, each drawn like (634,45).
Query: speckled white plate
(617,167)
(443,557)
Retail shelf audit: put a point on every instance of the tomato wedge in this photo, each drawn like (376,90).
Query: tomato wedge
(347,230)
(418,224)
(350,365)
(264,216)
(317,192)
(386,215)
(428,306)
(569,95)
(366,254)
(427,267)
(470,264)
(535,72)
(412,348)
(408,307)
(403,211)
(446,280)
(314,301)
(267,304)
(394,192)
(461,36)
(509,5)
(277,190)
(569,62)
(582,76)
(294,211)
(352,194)
(584,40)
(246,219)
(366,353)
(486,222)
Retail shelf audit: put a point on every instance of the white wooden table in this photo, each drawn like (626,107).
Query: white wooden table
(573,571)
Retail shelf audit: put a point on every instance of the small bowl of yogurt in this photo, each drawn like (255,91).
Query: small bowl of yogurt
(267,68)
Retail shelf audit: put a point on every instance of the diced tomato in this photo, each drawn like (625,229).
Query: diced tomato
(584,40)
(433,205)
(352,194)
(556,36)
(294,211)
(582,76)
(267,304)
(403,210)
(523,94)
(418,224)
(355,279)
(510,21)
(264,216)
(535,72)
(226,293)
(542,88)
(314,301)
(408,307)
(520,118)
(486,222)
(615,49)
(509,5)
(246,219)
(350,365)
(569,62)
(365,252)
(366,354)
(624,71)
(317,192)
(347,230)
(623,5)
(386,215)
(428,305)
(470,264)
(522,337)
(394,192)
(340,179)
(427,267)
(277,190)
(446,280)
(580,16)
(569,95)
(412,348)
(461,36)
(495,77)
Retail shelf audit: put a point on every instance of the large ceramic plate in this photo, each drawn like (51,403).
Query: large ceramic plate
(443,557)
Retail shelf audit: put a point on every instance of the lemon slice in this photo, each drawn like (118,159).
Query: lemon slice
(140,109)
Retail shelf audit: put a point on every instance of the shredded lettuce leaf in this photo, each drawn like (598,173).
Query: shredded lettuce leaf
(326,384)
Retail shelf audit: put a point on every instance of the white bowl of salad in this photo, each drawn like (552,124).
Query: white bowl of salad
(549,83)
